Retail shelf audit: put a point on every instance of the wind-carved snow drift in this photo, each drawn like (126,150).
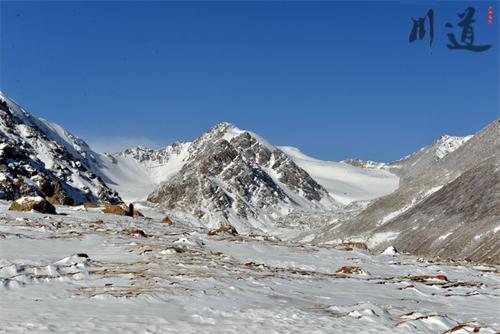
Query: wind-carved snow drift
(38,158)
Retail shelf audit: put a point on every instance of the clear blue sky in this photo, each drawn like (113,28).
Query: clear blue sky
(335,79)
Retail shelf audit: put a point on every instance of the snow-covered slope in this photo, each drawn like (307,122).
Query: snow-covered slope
(448,144)
(136,172)
(445,204)
(41,158)
(412,166)
(88,277)
(344,182)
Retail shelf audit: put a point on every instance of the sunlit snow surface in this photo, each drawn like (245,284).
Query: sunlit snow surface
(89,272)
(344,182)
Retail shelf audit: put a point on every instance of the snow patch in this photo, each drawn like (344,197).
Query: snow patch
(448,144)
(379,238)
(443,237)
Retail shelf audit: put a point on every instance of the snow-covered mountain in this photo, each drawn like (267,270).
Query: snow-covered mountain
(41,158)
(446,204)
(229,175)
(235,176)
(225,175)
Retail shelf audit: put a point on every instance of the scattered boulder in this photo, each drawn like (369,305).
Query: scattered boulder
(350,270)
(391,251)
(137,214)
(409,286)
(79,259)
(91,205)
(35,203)
(122,210)
(464,327)
(427,278)
(167,221)
(224,229)
(350,245)
(137,233)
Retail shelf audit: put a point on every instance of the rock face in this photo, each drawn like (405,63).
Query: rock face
(32,204)
(457,221)
(233,176)
(38,158)
(447,204)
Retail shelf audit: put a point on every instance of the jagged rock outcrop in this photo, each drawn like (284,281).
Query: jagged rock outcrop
(38,158)
(234,175)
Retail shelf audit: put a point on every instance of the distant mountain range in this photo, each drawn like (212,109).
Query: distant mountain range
(441,200)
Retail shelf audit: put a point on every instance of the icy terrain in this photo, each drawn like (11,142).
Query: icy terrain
(136,172)
(83,271)
(344,182)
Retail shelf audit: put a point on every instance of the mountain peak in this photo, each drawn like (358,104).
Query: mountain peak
(39,158)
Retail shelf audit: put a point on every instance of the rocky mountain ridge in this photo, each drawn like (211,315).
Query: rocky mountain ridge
(444,206)
(38,158)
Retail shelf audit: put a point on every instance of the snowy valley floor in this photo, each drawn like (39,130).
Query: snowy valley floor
(91,272)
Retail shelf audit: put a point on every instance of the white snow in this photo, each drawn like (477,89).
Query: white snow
(179,280)
(443,237)
(420,197)
(29,199)
(381,237)
(448,144)
(390,251)
(344,182)
(134,180)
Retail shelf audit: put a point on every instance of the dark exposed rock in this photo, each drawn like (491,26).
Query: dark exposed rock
(223,229)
